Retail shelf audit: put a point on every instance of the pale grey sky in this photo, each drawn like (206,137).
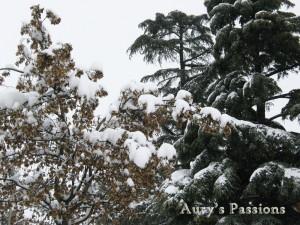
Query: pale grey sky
(100,32)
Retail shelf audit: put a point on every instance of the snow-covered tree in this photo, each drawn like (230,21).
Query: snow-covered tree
(257,43)
(136,119)
(59,163)
(227,160)
(144,101)
(223,160)
(175,37)
(48,168)
(62,165)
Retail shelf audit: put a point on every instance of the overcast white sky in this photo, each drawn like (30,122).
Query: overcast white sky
(100,32)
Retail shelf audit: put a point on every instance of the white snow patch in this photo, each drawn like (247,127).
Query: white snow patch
(98,152)
(140,87)
(181,177)
(85,86)
(171,189)
(139,155)
(221,180)
(212,168)
(140,150)
(257,172)
(114,107)
(210,111)
(138,136)
(126,172)
(184,95)
(181,106)
(150,101)
(30,118)
(130,182)
(169,97)
(166,151)
(292,173)
(11,98)
(109,134)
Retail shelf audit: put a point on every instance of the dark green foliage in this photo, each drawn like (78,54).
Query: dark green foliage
(292,109)
(175,37)
(254,41)
(227,95)
(227,190)
(253,163)
(256,44)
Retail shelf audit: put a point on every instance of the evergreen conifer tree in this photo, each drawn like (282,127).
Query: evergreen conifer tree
(223,162)
(226,160)
(257,43)
(175,37)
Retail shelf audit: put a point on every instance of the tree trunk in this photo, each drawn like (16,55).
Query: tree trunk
(261,107)
(183,79)
(261,112)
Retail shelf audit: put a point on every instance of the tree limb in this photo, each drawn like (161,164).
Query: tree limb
(15,182)
(84,218)
(12,69)
(282,70)
(277,116)
(197,56)
(287,95)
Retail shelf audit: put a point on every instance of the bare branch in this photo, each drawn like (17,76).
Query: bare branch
(287,95)
(12,69)
(277,116)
